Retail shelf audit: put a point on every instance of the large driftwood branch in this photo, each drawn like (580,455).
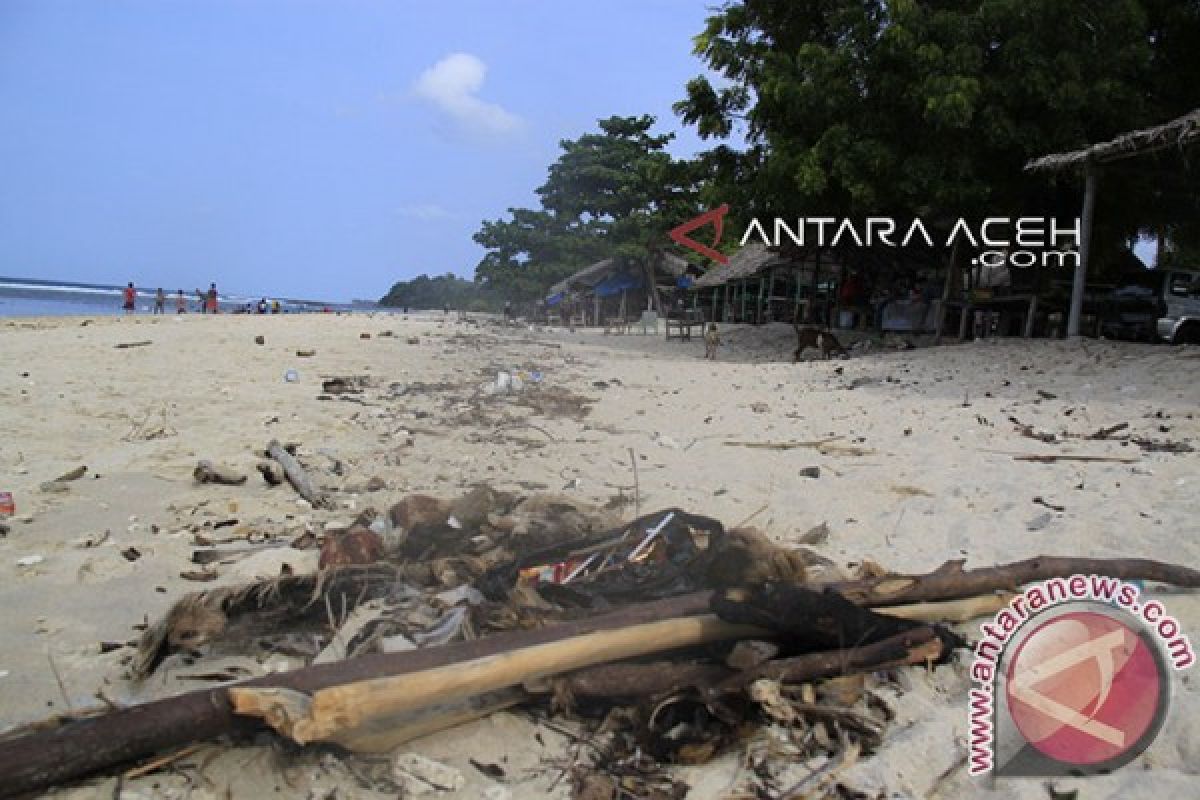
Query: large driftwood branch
(951,581)
(297,477)
(78,748)
(659,677)
(350,706)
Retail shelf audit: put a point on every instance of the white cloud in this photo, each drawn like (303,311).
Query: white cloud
(423,211)
(452,86)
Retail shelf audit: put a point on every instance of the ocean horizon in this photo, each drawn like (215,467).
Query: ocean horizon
(33,297)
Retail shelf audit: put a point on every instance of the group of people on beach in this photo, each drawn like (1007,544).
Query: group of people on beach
(206,302)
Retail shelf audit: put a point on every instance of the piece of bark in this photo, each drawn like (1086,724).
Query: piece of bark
(951,581)
(208,472)
(72,475)
(297,477)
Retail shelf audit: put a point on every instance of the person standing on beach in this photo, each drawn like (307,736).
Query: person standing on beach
(180,303)
(130,296)
(212,298)
(160,301)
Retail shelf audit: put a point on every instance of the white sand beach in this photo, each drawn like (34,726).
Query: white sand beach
(920,469)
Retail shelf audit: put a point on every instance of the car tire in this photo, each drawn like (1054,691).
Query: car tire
(1188,333)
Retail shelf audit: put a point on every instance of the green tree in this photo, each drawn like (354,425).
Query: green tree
(613,193)
(449,290)
(861,107)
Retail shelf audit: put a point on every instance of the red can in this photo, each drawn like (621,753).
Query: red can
(7,506)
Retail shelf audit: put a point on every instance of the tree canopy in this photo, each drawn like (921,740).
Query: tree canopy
(861,107)
(449,290)
(611,194)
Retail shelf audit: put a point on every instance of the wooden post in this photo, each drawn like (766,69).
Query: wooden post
(1085,246)
(816,283)
(653,287)
(1029,316)
(947,290)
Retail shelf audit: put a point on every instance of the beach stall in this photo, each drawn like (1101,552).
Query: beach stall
(762,284)
(615,291)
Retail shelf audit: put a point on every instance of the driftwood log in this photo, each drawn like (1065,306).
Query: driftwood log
(208,472)
(951,581)
(297,477)
(45,758)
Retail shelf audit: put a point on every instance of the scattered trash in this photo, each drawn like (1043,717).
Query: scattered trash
(1039,522)
(291,376)
(8,506)
(92,540)
(30,561)
(305,353)
(126,345)
(131,553)
(260,340)
(810,472)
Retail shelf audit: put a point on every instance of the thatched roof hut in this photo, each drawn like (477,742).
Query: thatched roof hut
(1178,133)
(614,278)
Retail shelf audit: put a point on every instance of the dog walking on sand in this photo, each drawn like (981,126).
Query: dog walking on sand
(808,336)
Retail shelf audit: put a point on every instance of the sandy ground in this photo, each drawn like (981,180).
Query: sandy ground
(934,479)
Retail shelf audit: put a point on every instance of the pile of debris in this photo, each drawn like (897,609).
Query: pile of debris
(678,638)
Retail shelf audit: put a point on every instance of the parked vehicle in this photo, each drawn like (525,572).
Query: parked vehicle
(1155,305)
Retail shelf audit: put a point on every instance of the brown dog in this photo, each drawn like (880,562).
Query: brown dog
(712,340)
(809,336)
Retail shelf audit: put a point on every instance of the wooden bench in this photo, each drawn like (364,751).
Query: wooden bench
(680,324)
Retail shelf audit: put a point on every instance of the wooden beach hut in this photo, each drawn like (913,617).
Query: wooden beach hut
(761,284)
(1175,134)
(615,290)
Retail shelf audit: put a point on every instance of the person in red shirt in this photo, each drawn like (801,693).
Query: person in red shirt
(130,296)
(211,301)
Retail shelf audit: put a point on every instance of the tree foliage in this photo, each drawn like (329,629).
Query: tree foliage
(610,194)
(864,107)
(442,291)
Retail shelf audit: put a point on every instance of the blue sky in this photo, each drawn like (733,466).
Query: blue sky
(303,148)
